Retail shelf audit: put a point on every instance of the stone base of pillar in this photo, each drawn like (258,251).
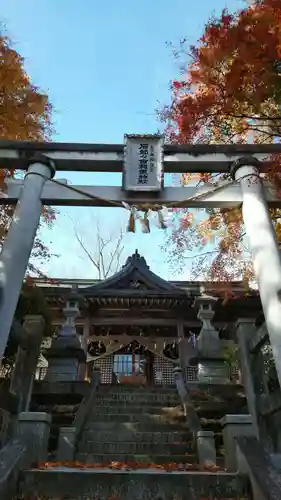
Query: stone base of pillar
(66,447)
(206,449)
(234,426)
(33,429)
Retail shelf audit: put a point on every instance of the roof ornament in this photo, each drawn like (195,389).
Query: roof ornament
(136,259)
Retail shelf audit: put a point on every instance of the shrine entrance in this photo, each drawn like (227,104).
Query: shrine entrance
(135,321)
(143,160)
(132,360)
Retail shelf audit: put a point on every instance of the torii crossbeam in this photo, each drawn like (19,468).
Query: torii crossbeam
(110,158)
(143,161)
(59,194)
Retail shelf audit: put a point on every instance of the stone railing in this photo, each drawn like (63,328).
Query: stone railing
(245,455)
(13,458)
(192,418)
(27,448)
(8,411)
(268,404)
(5,423)
(69,436)
(256,463)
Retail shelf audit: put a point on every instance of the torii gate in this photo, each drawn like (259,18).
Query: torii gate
(142,184)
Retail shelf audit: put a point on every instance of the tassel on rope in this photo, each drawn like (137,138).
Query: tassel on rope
(161,220)
(131,228)
(145,226)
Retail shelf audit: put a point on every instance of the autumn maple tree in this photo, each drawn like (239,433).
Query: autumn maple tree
(25,114)
(229,93)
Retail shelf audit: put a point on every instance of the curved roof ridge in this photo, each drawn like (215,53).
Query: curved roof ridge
(135,265)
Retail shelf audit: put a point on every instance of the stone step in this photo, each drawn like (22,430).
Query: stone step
(124,435)
(136,417)
(114,403)
(148,458)
(205,409)
(131,448)
(167,399)
(150,426)
(130,388)
(135,426)
(133,485)
(122,431)
(118,390)
(125,409)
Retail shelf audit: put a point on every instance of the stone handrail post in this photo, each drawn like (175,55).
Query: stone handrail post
(33,430)
(206,449)
(234,426)
(245,329)
(28,447)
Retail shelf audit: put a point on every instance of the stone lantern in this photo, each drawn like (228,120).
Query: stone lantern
(212,367)
(66,353)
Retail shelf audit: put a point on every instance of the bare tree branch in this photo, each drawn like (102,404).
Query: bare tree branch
(115,254)
(107,249)
(204,254)
(94,262)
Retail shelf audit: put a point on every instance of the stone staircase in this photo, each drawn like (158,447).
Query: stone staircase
(136,425)
(148,425)
(129,441)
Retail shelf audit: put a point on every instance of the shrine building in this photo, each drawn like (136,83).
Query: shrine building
(135,322)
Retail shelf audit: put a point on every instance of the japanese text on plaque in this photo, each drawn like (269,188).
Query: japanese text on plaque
(146,162)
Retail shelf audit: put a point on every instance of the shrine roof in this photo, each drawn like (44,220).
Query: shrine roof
(135,285)
(134,278)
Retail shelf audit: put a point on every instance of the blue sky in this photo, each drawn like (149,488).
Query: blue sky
(106,68)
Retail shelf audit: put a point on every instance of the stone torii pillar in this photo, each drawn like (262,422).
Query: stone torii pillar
(264,247)
(19,241)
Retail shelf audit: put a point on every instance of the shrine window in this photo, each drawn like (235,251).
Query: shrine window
(123,364)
